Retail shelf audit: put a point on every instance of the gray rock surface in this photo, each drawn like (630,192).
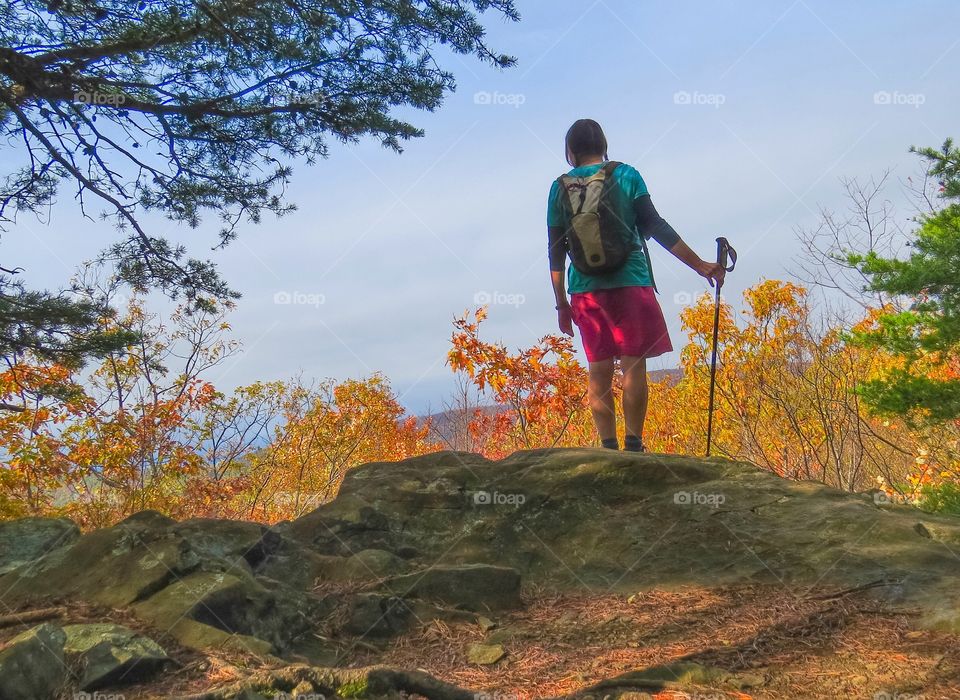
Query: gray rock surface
(32,665)
(105,653)
(27,539)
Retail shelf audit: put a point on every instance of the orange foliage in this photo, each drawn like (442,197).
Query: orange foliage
(785,397)
(136,433)
(542,390)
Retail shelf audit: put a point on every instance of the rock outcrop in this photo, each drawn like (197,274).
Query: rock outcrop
(450,537)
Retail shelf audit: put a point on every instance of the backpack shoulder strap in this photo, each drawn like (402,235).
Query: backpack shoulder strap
(562,194)
(610,166)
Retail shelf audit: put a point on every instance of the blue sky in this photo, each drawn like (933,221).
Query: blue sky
(741,116)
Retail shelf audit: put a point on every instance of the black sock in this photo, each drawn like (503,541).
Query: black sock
(610,443)
(633,443)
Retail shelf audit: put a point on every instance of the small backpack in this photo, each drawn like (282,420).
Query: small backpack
(598,240)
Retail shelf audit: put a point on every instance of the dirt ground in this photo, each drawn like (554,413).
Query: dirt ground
(773,644)
(763,642)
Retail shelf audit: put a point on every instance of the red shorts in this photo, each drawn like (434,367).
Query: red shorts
(620,321)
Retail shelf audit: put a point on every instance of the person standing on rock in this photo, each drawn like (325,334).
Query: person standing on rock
(600,215)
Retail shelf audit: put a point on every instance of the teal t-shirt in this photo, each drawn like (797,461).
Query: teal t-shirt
(636,270)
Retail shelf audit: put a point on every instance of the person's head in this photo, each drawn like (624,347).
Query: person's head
(585,141)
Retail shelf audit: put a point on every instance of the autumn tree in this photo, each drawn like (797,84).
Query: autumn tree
(34,465)
(132,446)
(788,401)
(325,431)
(539,392)
(183,108)
(146,429)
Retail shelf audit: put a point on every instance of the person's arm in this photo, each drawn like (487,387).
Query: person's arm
(654,226)
(557,254)
(558,258)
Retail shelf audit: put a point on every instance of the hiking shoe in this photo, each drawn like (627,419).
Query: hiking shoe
(633,443)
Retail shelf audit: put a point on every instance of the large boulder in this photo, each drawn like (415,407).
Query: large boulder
(227,544)
(297,567)
(32,665)
(26,540)
(105,654)
(114,566)
(282,620)
(195,578)
(622,522)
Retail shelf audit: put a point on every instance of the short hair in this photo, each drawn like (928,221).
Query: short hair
(585,138)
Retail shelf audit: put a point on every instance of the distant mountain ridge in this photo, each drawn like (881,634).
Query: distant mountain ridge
(444,424)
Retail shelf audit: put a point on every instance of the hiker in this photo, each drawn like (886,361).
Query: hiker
(600,214)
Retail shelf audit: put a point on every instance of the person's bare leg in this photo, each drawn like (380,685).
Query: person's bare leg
(635,396)
(600,397)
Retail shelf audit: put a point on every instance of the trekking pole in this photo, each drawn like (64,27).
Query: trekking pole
(724,252)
